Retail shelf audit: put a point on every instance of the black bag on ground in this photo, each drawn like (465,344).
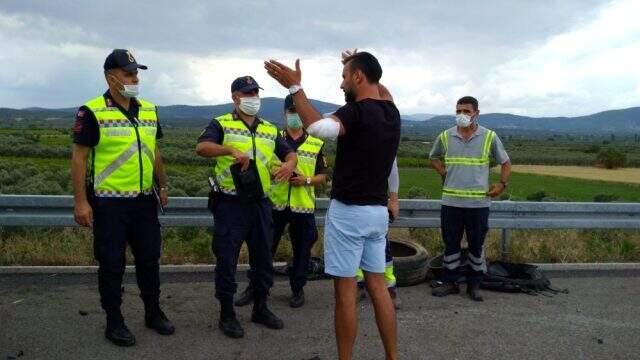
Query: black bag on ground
(511,277)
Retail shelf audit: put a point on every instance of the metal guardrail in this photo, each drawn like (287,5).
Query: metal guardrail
(57,211)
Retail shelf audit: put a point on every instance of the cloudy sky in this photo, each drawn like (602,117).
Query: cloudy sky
(538,58)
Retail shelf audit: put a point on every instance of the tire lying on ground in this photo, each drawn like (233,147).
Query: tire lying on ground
(409,262)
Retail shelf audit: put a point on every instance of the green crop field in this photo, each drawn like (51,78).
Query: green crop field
(522,186)
(37,160)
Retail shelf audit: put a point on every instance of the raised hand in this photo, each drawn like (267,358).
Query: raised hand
(283,74)
(348,53)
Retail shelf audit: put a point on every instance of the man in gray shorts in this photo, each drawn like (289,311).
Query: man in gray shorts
(367,129)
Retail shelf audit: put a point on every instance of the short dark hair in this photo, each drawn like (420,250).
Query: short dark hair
(366,63)
(469,100)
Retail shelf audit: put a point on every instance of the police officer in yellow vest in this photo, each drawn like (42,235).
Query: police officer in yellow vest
(115,161)
(243,138)
(294,203)
(462,156)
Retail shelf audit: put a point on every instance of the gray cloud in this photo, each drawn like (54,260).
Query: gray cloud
(432,51)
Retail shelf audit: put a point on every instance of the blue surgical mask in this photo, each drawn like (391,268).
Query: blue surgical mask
(293,121)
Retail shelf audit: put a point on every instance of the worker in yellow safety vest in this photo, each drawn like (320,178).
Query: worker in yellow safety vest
(294,203)
(115,164)
(462,156)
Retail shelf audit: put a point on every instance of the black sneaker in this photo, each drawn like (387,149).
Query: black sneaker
(297,299)
(230,325)
(246,297)
(473,290)
(445,289)
(262,315)
(120,335)
(158,321)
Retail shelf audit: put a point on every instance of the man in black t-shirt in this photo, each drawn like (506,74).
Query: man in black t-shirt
(368,132)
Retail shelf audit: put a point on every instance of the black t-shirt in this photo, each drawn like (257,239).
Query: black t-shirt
(321,162)
(366,151)
(86,130)
(215,134)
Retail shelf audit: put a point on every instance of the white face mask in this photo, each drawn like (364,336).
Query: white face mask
(249,105)
(463,120)
(128,91)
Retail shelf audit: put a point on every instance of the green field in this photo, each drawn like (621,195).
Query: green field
(36,161)
(523,185)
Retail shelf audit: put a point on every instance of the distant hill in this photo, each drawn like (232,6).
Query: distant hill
(624,121)
(170,116)
(418,117)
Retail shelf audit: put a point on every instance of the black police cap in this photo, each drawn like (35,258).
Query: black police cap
(244,84)
(122,59)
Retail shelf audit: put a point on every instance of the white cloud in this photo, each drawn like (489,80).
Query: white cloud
(587,69)
(532,58)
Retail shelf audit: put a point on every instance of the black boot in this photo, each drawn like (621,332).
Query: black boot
(117,332)
(155,318)
(297,298)
(246,297)
(228,322)
(473,290)
(362,291)
(262,315)
(445,289)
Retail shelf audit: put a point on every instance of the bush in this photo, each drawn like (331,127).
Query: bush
(537,196)
(605,198)
(416,192)
(611,158)
(593,149)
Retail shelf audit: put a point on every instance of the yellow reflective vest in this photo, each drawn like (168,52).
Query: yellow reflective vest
(259,145)
(122,161)
(300,199)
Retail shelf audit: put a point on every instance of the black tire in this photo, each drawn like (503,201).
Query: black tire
(409,262)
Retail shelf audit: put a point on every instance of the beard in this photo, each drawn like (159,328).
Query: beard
(349,96)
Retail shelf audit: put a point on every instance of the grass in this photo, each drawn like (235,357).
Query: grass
(624,175)
(193,246)
(522,185)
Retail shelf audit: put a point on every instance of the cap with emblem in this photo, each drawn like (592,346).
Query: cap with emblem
(244,84)
(122,59)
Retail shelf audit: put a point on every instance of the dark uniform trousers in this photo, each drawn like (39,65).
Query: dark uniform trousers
(455,221)
(236,222)
(122,221)
(303,234)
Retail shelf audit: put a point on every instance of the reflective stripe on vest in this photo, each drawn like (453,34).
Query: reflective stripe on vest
(300,199)
(482,160)
(124,156)
(259,146)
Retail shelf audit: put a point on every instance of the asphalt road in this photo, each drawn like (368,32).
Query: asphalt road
(40,318)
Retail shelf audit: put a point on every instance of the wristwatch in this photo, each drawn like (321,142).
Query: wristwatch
(294,89)
(504,183)
(308,181)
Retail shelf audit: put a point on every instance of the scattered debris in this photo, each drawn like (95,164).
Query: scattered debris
(83,313)
(18,301)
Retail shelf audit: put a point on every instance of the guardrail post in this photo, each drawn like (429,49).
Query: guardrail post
(504,244)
